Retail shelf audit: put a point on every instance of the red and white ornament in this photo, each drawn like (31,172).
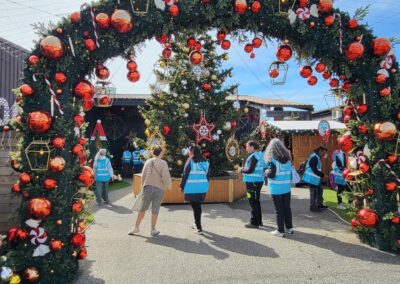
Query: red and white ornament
(303,13)
(203,129)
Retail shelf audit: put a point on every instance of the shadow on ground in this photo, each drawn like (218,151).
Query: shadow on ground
(83,275)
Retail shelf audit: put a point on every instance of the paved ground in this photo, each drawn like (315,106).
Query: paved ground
(322,250)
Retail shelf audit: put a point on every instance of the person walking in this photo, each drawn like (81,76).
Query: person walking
(253,177)
(103,174)
(313,175)
(195,183)
(338,165)
(279,179)
(155,179)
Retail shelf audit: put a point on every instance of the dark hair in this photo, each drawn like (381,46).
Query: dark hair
(253,144)
(157,150)
(197,155)
(321,148)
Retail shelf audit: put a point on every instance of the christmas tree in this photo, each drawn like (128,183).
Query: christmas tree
(194,109)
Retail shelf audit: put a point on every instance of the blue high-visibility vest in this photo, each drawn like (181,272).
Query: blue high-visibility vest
(280,184)
(258,174)
(143,154)
(127,157)
(135,156)
(101,170)
(337,173)
(197,181)
(309,176)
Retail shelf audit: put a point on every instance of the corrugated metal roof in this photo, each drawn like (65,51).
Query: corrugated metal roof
(303,125)
(272,102)
(132,96)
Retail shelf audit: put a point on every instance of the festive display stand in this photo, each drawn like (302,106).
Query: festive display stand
(222,189)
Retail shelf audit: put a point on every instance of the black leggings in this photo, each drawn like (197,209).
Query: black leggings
(196,205)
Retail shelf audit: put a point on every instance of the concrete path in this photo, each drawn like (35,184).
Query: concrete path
(322,250)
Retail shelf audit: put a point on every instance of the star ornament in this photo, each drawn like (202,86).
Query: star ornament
(203,129)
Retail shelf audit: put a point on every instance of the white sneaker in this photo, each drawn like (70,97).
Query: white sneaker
(289,231)
(154,232)
(134,231)
(108,205)
(341,207)
(276,233)
(194,227)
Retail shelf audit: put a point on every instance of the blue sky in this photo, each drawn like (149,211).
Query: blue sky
(17,16)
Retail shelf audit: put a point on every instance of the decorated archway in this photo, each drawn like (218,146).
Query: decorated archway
(50,238)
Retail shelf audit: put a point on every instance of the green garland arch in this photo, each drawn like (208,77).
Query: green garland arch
(316,42)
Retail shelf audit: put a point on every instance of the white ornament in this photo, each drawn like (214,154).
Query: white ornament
(41,250)
(314,10)
(215,137)
(384,72)
(6,273)
(353,163)
(387,63)
(185,151)
(227,126)
(367,151)
(236,105)
(160,4)
(292,16)
(219,132)
(184,82)
(32,223)
(186,114)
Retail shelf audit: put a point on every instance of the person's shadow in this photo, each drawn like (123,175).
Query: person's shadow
(119,209)
(83,275)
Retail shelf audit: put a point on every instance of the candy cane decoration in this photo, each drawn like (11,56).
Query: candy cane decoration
(71,45)
(303,13)
(387,63)
(84,6)
(355,110)
(382,161)
(53,98)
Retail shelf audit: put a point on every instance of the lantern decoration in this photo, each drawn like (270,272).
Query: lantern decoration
(385,131)
(381,47)
(240,6)
(104,94)
(39,122)
(57,164)
(355,51)
(38,155)
(52,47)
(345,143)
(140,7)
(86,177)
(195,57)
(203,129)
(284,52)
(121,21)
(367,218)
(278,72)
(38,208)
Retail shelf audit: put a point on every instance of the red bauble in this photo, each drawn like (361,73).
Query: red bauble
(362,128)
(352,24)
(131,65)
(75,17)
(206,87)
(174,10)
(77,206)
(196,57)
(133,76)
(334,83)
(86,177)
(256,7)
(90,44)
(367,218)
(24,178)
(166,130)
(33,59)
(102,72)
(221,35)
(38,208)
(166,53)
(303,3)
(252,55)
(370,191)
(256,42)
(240,6)
(88,104)
(391,185)
(326,74)
(380,78)
(198,46)
(105,100)
(355,51)
(26,90)
(274,73)
(248,48)
(49,183)
(284,52)
(82,141)
(226,44)
(329,21)
(325,6)
(52,47)
(103,20)
(345,143)
(57,164)
(39,122)
(77,149)
(15,188)
(385,92)
(55,245)
(312,80)
(395,220)
(391,159)
(348,110)
(84,90)
(346,175)
(320,67)
(233,124)
(346,119)
(305,71)
(82,254)
(78,239)
(82,158)
(354,223)
(364,167)
(381,47)
(121,21)
(60,78)
(191,42)
(312,25)
(162,38)
(347,86)
(78,119)
(206,154)
(22,234)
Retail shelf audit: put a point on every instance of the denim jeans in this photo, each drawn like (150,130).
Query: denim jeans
(101,191)
(316,198)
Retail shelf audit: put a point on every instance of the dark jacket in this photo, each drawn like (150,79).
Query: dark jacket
(339,163)
(253,164)
(314,166)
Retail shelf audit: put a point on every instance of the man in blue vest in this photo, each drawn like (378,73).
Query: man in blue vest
(127,162)
(313,175)
(253,177)
(137,164)
(339,164)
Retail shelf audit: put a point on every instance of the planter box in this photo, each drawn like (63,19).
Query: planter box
(222,189)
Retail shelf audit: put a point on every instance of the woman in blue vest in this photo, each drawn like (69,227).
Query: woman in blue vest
(253,177)
(279,178)
(339,164)
(194,183)
(103,174)
(127,162)
(313,175)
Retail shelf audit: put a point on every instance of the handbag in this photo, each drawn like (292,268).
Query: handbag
(295,177)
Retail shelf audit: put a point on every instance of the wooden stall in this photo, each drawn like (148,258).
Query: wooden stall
(222,189)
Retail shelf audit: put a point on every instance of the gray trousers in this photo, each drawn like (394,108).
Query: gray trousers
(316,198)
(101,191)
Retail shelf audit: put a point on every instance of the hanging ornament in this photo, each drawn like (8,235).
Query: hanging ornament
(256,7)
(60,78)
(133,76)
(221,35)
(284,52)
(391,186)
(206,87)
(329,21)
(385,92)
(77,150)
(86,176)
(352,24)
(6,273)
(303,13)
(52,47)
(195,57)
(78,239)
(203,129)
(103,20)
(58,142)
(240,6)
(232,149)
(131,65)
(24,178)
(122,21)
(387,63)
(75,17)
(102,72)
(33,60)
(345,143)
(391,159)
(320,67)
(26,90)
(173,10)
(248,48)
(84,90)
(256,42)
(77,206)
(355,51)
(312,80)
(39,122)
(385,131)
(325,6)
(305,71)
(367,218)
(362,128)
(15,188)
(274,73)
(380,78)
(326,75)
(303,3)
(362,109)
(90,45)
(57,164)
(166,53)
(334,83)
(364,168)
(166,130)
(82,254)
(88,104)
(226,44)
(38,208)
(56,245)
(191,42)
(49,184)
(381,47)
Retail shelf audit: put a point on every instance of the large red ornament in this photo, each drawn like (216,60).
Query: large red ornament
(355,51)
(206,87)
(240,6)
(88,104)
(26,90)
(226,44)
(256,7)
(284,52)
(305,71)
(166,130)
(52,47)
(163,38)
(75,17)
(102,72)
(329,21)
(381,47)
(55,245)
(362,128)
(77,206)
(82,254)
(203,129)
(221,35)
(90,44)
(303,3)
(256,42)
(362,109)
(133,76)
(196,57)
(84,90)
(352,24)
(49,183)
(166,53)
(334,83)
(78,239)
(248,48)
(347,86)
(174,10)
(320,67)
(78,119)
(391,185)
(191,42)
(60,78)
(77,149)
(312,80)
(82,141)
(121,21)
(33,59)
(367,218)
(24,178)
(345,143)
(325,6)
(38,208)
(364,168)
(380,78)
(348,110)
(385,92)
(131,65)
(86,177)
(103,20)
(57,164)
(326,75)
(39,122)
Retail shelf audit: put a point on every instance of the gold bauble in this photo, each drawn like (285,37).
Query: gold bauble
(147,122)
(147,133)
(162,63)
(214,77)
(246,110)
(226,57)
(185,50)
(185,106)
(15,279)
(179,162)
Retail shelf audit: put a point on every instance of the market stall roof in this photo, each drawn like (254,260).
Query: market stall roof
(294,125)
(131,99)
(266,102)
